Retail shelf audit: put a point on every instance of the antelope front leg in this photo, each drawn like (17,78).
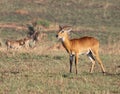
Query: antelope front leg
(71,62)
(76,62)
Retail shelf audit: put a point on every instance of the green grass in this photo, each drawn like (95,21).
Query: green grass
(26,73)
(43,23)
(93,13)
(48,72)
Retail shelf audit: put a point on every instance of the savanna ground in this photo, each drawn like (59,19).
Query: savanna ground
(45,69)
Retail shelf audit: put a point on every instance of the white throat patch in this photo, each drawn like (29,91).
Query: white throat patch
(63,39)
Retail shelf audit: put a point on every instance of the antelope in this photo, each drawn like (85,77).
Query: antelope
(36,36)
(75,47)
(27,41)
(14,44)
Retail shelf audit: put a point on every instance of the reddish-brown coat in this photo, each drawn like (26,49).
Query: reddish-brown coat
(79,46)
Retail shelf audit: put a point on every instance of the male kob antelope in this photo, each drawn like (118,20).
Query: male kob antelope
(75,47)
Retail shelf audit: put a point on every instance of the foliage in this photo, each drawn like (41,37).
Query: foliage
(44,23)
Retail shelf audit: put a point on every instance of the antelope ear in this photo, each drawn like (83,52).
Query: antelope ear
(70,29)
(60,27)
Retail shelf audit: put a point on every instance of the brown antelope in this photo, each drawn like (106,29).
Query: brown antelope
(74,47)
(14,44)
(27,41)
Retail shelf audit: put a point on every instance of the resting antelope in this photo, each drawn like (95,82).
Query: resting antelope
(75,47)
(14,44)
(27,41)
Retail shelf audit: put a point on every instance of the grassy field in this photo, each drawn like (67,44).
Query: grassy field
(45,69)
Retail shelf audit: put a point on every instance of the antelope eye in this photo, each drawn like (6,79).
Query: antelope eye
(62,31)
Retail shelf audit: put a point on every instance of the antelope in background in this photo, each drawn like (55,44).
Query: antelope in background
(33,37)
(33,32)
(75,47)
(14,44)
(25,42)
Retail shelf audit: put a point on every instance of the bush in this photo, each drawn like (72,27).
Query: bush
(44,23)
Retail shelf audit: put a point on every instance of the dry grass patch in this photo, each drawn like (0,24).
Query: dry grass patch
(111,48)
(22,12)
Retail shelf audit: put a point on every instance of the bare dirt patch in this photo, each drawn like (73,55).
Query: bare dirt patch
(13,25)
(22,12)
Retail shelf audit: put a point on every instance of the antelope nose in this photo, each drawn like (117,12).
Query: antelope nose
(56,36)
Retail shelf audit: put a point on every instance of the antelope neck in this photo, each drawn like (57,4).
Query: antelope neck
(66,44)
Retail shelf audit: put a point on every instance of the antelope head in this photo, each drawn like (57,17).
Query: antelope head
(63,32)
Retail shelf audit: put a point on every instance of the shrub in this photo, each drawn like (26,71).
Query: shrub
(44,23)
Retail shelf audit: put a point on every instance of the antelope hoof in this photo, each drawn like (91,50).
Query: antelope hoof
(104,73)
